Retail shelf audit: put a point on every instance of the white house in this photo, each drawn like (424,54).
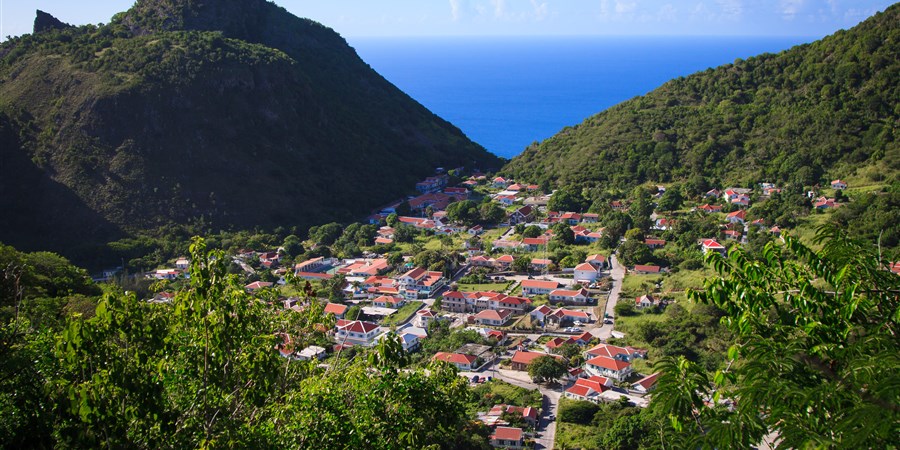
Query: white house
(461,361)
(646,384)
(538,287)
(493,317)
(609,367)
(710,245)
(585,272)
(578,297)
(540,312)
(423,318)
(356,332)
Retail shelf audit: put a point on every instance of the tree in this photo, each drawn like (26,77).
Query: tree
(392,220)
(624,308)
(353,312)
(580,412)
(563,234)
(292,246)
(491,213)
(634,251)
(532,231)
(546,369)
(520,264)
(465,212)
(325,234)
(567,199)
(816,357)
(671,199)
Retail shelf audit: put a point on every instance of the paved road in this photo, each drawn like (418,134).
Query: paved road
(617,273)
(546,428)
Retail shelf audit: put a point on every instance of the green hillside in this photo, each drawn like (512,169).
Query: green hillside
(802,117)
(234,114)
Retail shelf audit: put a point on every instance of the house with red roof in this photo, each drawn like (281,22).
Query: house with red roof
(461,361)
(476,230)
(553,345)
(493,317)
(646,384)
(585,272)
(337,309)
(617,205)
(655,243)
(574,297)
(419,282)
(538,287)
(507,200)
(365,268)
(522,358)
(615,352)
(500,182)
(646,269)
(737,216)
(562,317)
(258,285)
(504,262)
(539,264)
(598,261)
(571,218)
(646,301)
(540,312)
(709,208)
(609,367)
(534,244)
(583,338)
(312,265)
(529,414)
(356,332)
(710,245)
(824,203)
(589,389)
(388,301)
(838,184)
(508,437)
(424,317)
(590,218)
(734,235)
(515,187)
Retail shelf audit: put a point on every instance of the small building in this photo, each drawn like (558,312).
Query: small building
(575,297)
(461,361)
(646,384)
(337,309)
(585,272)
(538,287)
(710,245)
(646,269)
(508,437)
(522,358)
(839,184)
(609,367)
(493,317)
(356,332)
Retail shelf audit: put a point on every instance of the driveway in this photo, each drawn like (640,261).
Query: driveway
(617,273)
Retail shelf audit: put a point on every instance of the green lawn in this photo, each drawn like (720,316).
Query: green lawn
(806,228)
(403,313)
(496,287)
(574,436)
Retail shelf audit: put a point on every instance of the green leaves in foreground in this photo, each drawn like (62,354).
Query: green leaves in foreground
(818,360)
(204,371)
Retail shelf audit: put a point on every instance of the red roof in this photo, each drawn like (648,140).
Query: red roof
(710,243)
(507,434)
(454,358)
(506,259)
(596,258)
(568,293)
(581,391)
(558,341)
(490,314)
(357,326)
(643,268)
(648,381)
(539,284)
(608,363)
(539,261)
(336,308)
(585,267)
(655,242)
(535,241)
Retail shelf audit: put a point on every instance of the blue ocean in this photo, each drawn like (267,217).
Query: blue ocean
(507,92)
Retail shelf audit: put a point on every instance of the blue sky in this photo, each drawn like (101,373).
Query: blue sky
(814,18)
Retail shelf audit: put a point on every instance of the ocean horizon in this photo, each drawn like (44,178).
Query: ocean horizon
(508,92)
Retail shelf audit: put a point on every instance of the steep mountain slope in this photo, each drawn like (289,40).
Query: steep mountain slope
(232,112)
(801,116)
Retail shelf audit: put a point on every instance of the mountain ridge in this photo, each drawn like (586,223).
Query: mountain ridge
(272,121)
(814,111)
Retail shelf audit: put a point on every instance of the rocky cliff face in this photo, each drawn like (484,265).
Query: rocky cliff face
(45,22)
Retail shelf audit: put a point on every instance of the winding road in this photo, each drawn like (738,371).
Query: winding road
(617,274)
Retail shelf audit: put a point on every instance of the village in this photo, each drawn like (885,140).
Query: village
(535,294)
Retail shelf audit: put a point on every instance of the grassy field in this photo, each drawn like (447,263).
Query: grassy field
(806,228)
(574,436)
(402,314)
(496,287)
(496,392)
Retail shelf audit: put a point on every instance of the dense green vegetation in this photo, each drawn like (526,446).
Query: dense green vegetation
(816,359)
(231,115)
(800,118)
(204,371)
